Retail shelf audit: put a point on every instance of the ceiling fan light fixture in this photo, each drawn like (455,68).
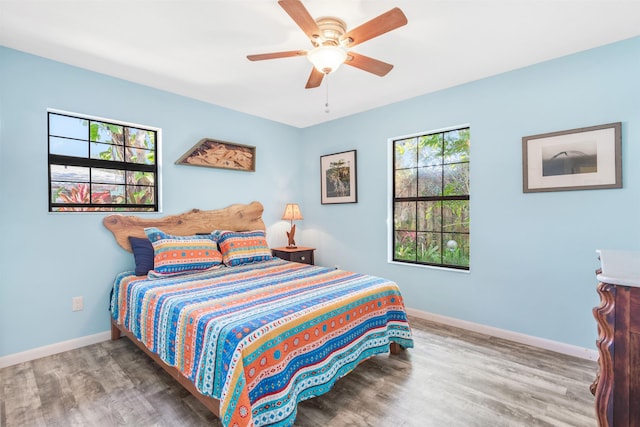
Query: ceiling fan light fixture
(327,59)
(330,40)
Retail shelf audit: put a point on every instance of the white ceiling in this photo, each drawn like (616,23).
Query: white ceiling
(198,48)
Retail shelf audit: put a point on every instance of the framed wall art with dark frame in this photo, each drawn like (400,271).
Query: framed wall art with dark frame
(213,153)
(338,178)
(577,159)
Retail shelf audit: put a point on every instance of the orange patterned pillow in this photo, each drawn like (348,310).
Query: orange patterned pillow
(242,247)
(179,254)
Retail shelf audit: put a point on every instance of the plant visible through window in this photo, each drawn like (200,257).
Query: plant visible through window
(431,199)
(98,165)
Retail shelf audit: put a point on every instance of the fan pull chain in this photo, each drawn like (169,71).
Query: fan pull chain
(326,104)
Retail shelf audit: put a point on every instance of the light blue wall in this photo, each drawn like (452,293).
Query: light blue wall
(49,258)
(533,255)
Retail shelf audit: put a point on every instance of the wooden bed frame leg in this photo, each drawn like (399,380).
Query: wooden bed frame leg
(395,348)
(115,331)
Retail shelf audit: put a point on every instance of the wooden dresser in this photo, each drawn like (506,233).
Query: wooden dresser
(617,385)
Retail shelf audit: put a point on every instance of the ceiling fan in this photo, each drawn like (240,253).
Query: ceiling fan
(330,40)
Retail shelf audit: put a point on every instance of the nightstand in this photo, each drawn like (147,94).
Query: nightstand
(300,254)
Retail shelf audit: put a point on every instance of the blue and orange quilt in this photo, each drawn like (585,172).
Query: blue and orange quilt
(262,337)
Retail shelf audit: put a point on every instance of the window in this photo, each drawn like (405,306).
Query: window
(431,199)
(100,165)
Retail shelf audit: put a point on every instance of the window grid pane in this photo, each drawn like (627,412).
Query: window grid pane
(140,138)
(107,133)
(406,153)
(429,248)
(405,216)
(430,181)
(431,219)
(405,245)
(456,249)
(108,152)
(430,216)
(455,179)
(139,155)
(69,173)
(406,182)
(140,195)
(107,176)
(430,150)
(107,194)
(68,146)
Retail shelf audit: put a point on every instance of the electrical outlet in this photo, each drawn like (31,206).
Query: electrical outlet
(76,303)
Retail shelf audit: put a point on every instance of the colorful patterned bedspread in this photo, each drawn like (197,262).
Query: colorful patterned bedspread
(262,337)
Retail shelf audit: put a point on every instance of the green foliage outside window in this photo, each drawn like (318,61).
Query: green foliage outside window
(96,165)
(431,199)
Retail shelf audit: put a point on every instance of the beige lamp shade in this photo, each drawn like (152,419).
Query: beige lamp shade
(292,212)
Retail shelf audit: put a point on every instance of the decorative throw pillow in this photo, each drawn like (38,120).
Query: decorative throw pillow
(179,254)
(242,247)
(142,254)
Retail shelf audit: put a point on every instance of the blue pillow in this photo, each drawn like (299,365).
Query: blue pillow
(142,254)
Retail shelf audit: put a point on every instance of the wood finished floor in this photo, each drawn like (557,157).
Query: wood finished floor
(451,378)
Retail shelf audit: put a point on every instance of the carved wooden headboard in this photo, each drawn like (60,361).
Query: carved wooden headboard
(238,217)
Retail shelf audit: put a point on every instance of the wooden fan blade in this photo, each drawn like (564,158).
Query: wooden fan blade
(384,23)
(276,55)
(365,63)
(315,79)
(301,16)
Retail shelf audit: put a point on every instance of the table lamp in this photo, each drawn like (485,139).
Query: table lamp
(291,213)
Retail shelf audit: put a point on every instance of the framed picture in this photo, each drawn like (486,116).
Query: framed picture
(338,182)
(577,159)
(212,153)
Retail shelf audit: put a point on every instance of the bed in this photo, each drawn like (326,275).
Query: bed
(248,334)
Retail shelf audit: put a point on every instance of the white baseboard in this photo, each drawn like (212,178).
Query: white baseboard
(558,347)
(48,350)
